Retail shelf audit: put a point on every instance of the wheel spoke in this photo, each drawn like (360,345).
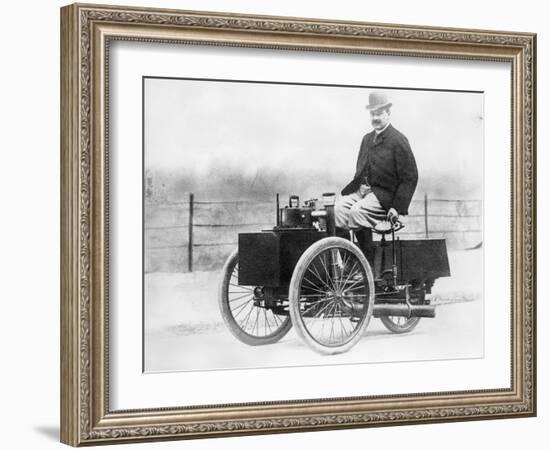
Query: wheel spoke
(319,278)
(265,322)
(313,286)
(336,260)
(324,304)
(271,322)
(351,272)
(258,320)
(355,283)
(314,268)
(331,318)
(341,328)
(255,324)
(351,329)
(324,308)
(241,286)
(316,304)
(400,324)
(357,286)
(240,308)
(345,261)
(247,318)
(323,323)
(331,326)
(245,302)
(361,297)
(324,263)
(239,297)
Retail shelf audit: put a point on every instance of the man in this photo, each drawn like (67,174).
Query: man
(384,180)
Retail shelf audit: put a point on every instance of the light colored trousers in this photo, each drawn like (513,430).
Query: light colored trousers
(353,211)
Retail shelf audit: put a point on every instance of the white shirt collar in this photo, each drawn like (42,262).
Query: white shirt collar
(382,130)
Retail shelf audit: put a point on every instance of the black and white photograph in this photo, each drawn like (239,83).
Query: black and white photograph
(275,225)
(292,224)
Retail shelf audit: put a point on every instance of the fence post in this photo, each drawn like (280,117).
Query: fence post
(190,230)
(426,214)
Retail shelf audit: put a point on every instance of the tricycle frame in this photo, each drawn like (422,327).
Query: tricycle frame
(299,274)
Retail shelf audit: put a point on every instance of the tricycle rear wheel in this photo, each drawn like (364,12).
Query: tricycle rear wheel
(398,324)
(243,313)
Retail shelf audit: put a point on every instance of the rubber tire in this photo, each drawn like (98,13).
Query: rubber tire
(400,329)
(294,291)
(231,323)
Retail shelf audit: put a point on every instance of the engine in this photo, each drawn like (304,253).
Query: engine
(311,215)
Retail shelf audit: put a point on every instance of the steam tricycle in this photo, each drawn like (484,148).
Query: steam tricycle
(299,273)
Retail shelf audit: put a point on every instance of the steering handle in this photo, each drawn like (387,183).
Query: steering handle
(387,226)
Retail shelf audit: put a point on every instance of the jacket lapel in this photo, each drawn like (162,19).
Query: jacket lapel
(378,139)
(364,156)
(372,141)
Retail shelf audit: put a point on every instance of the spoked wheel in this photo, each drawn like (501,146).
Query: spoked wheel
(243,311)
(399,324)
(331,295)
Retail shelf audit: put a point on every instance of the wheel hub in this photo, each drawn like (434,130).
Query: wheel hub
(340,299)
(258,295)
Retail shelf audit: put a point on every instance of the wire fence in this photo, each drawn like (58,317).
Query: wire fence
(191,235)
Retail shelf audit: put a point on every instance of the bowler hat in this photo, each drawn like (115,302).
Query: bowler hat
(378,100)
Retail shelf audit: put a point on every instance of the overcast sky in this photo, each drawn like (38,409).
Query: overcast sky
(197,125)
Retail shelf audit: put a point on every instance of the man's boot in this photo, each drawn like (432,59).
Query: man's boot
(342,233)
(364,241)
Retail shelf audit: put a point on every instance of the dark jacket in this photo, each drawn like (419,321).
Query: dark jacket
(389,167)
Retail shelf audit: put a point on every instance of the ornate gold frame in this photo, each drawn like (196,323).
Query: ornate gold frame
(86,31)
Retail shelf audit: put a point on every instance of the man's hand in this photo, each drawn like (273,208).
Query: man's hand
(363,190)
(393,215)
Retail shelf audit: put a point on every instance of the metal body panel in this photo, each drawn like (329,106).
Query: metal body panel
(268,258)
(258,259)
(419,259)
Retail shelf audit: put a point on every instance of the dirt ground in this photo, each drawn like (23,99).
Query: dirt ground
(184,329)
